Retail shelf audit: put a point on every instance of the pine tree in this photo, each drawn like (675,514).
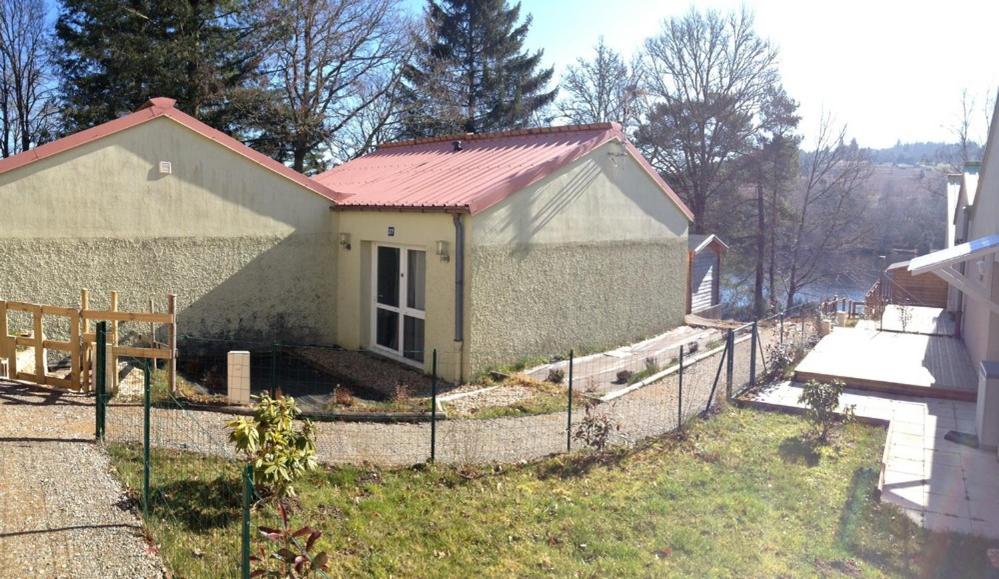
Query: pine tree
(113,55)
(473,74)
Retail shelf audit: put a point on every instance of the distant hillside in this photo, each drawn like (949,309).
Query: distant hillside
(931,154)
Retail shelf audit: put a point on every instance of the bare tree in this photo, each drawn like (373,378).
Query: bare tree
(26,108)
(335,61)
(828,214)
(602,89)
(708,76)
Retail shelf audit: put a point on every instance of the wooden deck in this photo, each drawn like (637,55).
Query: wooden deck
(892,362)
(923,320)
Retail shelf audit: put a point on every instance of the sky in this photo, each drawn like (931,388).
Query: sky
(890,70)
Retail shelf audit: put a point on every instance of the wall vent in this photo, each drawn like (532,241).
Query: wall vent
(166,168)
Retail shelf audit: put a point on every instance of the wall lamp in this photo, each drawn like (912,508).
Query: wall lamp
(345,241)
(442,251)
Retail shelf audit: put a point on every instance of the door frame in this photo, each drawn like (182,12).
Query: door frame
(403,310)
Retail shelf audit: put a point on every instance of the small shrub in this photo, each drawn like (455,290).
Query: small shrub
(280,454)
(290,557)
(780,357)
(623,376)
(651,367)
(904,316)
(343,396)
(822,400)
(595,429)
(555,376)
(402,393)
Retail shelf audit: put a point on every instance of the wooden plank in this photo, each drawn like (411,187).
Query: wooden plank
(74,351)
(58,382)
(6,348)
(129,351)
(26,376)
(127,316)
(59,311)
(39,348)
(172,342)
(85,358)
(23,307)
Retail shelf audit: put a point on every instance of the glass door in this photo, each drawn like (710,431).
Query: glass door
(400,301)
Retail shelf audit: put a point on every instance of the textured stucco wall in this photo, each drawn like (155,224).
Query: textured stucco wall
(248,252)
(592,257)
(354,273)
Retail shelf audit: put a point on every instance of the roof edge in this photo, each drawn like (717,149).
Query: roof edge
(501,134)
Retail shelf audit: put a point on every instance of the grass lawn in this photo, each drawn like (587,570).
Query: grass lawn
(744,494)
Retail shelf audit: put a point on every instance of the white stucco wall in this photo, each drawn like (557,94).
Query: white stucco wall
(591,257)
(247,251)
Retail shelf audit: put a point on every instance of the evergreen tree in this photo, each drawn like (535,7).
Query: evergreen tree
(113,55)
(472,74)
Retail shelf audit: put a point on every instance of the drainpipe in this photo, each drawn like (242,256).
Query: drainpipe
(459,285)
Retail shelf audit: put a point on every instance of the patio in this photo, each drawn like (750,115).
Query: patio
(893,362)
(939,484)
(922,320)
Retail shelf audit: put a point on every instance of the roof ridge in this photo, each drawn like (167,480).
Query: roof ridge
(502,134)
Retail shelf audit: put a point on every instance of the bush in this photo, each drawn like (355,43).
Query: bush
(290,557)
(401,394)
(595,430)
(624,376)
(343,396)
(822,400)
(280,454)
(555,376)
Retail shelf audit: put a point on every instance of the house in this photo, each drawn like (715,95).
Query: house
(488,248)
(157,202)
(705,274)
(530,243)
(968,265)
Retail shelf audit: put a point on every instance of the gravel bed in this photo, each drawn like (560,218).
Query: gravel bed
(62,511)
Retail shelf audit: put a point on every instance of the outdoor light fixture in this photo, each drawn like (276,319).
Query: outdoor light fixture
(442,251)
(345,241)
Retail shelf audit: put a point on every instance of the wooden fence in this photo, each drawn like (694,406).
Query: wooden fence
(82,339)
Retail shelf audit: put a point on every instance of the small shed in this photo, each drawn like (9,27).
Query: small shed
(705,275)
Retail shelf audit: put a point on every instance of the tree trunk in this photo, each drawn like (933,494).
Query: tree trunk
(759,306)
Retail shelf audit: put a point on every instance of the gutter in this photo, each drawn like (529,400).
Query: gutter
(459,286)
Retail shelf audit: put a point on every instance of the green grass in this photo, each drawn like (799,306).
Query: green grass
(744,494)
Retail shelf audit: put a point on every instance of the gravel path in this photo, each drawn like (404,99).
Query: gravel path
(62,511)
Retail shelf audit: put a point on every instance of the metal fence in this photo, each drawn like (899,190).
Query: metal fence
(635,394)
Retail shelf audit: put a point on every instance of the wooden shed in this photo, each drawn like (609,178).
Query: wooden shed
(705,275)
(915,290)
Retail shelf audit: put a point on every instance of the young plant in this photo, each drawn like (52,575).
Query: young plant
(595,430)
(280,454)
(822,400)
(291,557)
(555,376)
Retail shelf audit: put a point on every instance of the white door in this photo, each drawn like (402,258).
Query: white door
(400,301)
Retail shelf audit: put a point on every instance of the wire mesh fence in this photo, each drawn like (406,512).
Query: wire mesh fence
(369,410)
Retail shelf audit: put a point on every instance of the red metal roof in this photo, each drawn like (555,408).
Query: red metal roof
(153,109)
(430,174)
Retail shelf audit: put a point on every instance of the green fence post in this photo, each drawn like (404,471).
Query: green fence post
(247,503)
(752,356)
(568,424)
(730,364)
(101,376)
(679,404)
(145,441)
(433,408)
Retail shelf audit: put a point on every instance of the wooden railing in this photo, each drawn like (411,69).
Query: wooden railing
(82,340)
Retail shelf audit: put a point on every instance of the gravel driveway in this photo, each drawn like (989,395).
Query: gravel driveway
(62,511)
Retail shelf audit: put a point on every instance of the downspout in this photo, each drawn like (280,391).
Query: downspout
(459,289)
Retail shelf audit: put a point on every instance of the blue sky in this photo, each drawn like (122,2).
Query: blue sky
(889,69)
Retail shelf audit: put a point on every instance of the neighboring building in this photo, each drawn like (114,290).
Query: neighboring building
(158,202)
(968,265)
(705,260)
(914,290)
(531,242)
(508,246)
